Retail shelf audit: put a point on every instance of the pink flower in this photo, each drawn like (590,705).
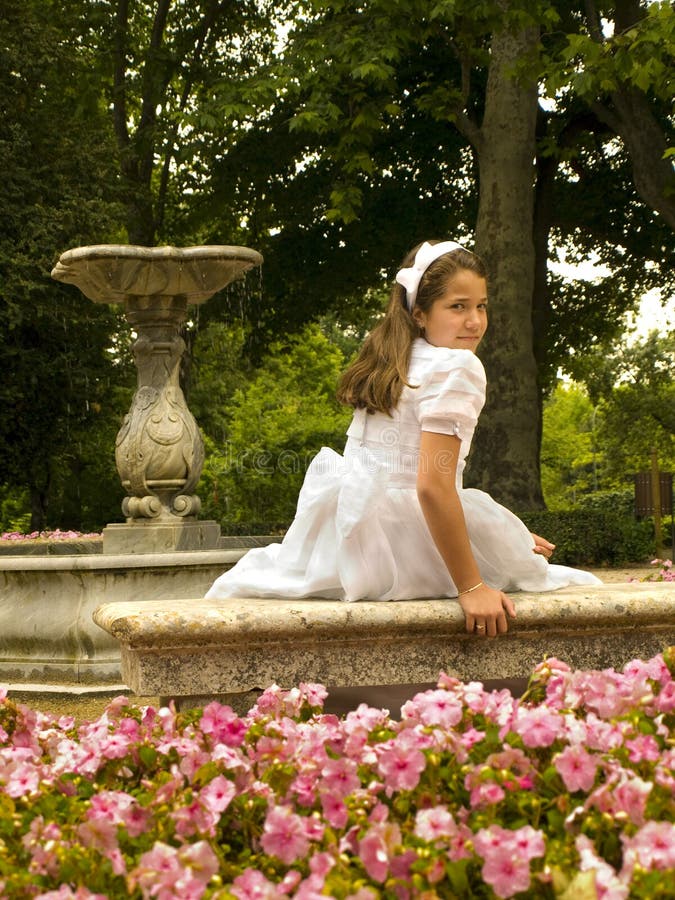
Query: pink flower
(136,820)
(223,725)
(334,810)
(339,776)
(529,842)
(378,847)
(285,835)
(400,763)
(507,855)
(506,872)
(304,786)
(115,746)
(643,748)
(23,779)
(537,726)
(486,793)
(576,767)
(67,893)
(217,795)
(631,796)
(201,860)
(652,847)
(601,735)
(194,818)
(315,694)
(252,885)
(101,834)
(434,824)
(608,885)
(166,872)
(665,702)
(435,708)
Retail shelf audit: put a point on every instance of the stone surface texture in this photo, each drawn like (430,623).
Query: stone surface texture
(199,648)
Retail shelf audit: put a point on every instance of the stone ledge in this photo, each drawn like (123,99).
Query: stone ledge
(201,648)
(120,561)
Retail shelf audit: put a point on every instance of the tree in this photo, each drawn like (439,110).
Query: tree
(364,79)
(58,190)
(277,421)
(634,388)
(621,65)
(597,435)
(161,63)
(569,458)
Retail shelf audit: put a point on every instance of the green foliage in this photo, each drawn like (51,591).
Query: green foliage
(568,460)
(588,537)
(14,509)
(634,386)
(597,437)
(220,367)
(59,190)
(641,55)
(276,424)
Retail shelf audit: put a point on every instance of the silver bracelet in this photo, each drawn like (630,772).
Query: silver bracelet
(468,590)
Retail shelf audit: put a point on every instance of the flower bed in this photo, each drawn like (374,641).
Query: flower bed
(567,792)
(55,535)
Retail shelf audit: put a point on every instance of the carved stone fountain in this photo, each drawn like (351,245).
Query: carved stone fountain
(159,450)
(47,634)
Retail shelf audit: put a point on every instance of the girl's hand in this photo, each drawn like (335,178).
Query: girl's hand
(485,611)
(542,546)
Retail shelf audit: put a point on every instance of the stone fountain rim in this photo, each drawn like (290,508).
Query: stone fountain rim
(165,251)
(124,263)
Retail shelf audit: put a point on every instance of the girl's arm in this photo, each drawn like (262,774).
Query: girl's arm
(445,518)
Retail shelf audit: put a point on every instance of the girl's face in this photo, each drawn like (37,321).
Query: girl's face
(458,319)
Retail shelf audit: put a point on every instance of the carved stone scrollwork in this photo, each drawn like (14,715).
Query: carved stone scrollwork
(186,505)
(159,450)
(141,507)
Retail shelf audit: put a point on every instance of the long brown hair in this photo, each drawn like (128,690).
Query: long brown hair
(376,378)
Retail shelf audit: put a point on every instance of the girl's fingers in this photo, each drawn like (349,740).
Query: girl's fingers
(488,622)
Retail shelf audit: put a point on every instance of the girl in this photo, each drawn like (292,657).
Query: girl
(390,519)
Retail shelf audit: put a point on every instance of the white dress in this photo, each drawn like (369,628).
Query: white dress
(359,532)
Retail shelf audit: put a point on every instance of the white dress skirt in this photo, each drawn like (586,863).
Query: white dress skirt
(359,532)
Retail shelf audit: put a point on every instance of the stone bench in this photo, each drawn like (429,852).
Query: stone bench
(197,650)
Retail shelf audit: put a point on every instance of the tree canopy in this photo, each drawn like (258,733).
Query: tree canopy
(58,189)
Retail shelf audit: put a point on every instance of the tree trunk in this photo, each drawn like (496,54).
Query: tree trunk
(38,508)
(505,458)
(645,140)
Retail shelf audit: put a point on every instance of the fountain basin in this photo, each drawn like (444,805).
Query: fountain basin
(47,635)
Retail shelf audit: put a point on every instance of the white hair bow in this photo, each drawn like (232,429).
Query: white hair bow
(411,276)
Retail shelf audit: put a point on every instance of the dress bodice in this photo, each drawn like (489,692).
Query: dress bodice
(446,395)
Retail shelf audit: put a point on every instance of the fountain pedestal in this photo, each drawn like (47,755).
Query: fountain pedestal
(159,450)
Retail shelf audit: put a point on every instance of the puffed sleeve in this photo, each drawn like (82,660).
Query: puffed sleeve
(451,399)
